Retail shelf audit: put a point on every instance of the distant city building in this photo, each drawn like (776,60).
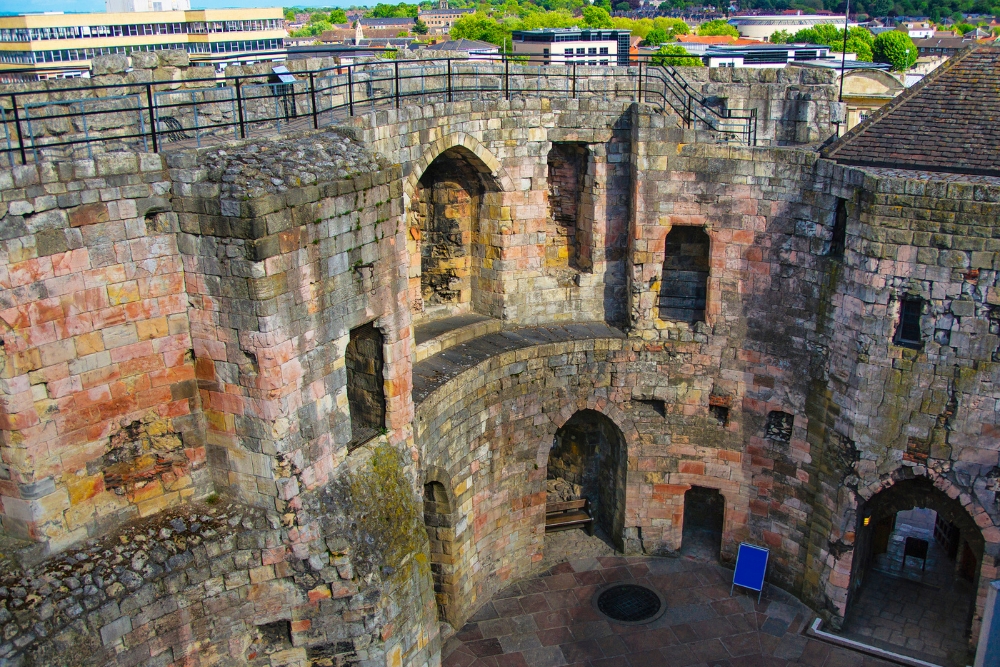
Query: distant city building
(766,55)
(476,49)
(440,20)
(761,27)
(560,46)
(917,29)
(123,6)
(697,45)
(949,46)
(64,44)
(865,92)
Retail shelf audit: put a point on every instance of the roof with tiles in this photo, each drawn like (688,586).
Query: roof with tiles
(949,122)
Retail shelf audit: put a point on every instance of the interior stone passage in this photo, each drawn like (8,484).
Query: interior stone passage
(704,518)
(365,394)
(448,202)
(565,245)
(684,286)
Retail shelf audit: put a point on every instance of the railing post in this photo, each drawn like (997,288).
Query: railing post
(152,117)
(574,80)
(449,80)
(350,88)
(506,77)
(640,81)
(312,96)
(687,111)
(17,125)
(396,65)
(239,109)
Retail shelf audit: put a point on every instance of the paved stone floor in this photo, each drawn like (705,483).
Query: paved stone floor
(548,620)
(923,613)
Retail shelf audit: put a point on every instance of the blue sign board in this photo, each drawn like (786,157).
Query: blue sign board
(751,564)
(989,637)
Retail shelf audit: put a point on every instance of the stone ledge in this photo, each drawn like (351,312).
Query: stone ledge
(439,335)
(433,372)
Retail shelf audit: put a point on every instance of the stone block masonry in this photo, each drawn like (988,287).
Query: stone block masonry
(235,323)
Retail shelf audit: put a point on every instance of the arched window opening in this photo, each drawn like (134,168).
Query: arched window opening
(445,235)
(684,285)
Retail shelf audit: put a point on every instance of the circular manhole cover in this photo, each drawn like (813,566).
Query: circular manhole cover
(629,603)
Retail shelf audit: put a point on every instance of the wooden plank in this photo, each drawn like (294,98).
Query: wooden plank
(565,505)
(568,519)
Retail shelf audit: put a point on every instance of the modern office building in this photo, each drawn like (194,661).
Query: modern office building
(120,6)
(60,45)
(560,46)
(767,55)
(763,26)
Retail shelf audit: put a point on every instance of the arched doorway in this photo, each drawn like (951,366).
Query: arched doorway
(588,460)
(915,573)
(445,225)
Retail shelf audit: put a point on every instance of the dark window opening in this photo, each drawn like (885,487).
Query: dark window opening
(365,392)
(568,236)
(838,241)
(908,330)
(779,426)
(441,534)
(720,413)
(684,286)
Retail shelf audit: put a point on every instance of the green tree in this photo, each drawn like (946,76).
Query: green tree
(655,37)
(481,27)
(675,56)
(384,11)
(896,48)
(622,7)
(964,27)
(880,7)
(338,16)
(604,4)
(597,17)
(781,37)
(717,27)
(420,28)
(289,14)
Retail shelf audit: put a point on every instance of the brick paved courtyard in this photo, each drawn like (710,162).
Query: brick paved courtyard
(548,620)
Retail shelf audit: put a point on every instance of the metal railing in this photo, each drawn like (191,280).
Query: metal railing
(70,122)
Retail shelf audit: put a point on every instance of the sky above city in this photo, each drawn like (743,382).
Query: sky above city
(21,6)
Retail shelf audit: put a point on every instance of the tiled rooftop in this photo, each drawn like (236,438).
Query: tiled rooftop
(949,122)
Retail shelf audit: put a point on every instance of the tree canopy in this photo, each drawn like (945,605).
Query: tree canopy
(717,27)
(675,56)
(896,48)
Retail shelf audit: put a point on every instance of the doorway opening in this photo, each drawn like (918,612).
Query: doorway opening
(915,574)
(704,518)
(588,461)
(438,520)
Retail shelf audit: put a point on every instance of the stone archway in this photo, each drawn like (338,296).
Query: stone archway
(590,457)
(936,591)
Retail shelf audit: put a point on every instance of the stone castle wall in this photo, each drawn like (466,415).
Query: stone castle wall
(176,328)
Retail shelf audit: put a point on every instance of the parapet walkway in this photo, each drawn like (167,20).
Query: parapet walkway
(437,369)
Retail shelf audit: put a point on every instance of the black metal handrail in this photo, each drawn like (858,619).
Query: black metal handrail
(154,115)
